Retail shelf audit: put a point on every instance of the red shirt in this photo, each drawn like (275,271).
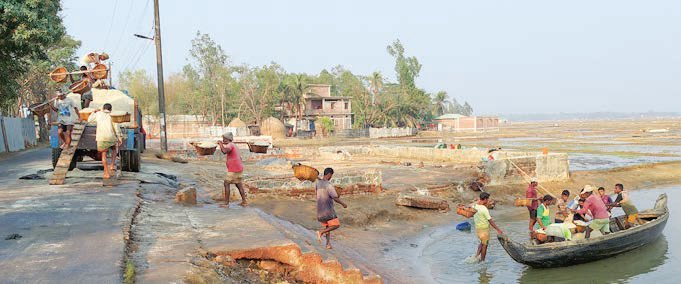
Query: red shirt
(234,164)
(596,205)
(532,193)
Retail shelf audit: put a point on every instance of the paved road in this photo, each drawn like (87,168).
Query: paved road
(60,234)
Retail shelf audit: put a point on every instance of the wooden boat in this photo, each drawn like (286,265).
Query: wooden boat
(581,251)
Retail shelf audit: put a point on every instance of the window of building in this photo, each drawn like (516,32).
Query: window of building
(333,105)
(346,105)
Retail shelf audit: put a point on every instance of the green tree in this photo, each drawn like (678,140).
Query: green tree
(440,103)
(142,86)
(467,110)
(27,29)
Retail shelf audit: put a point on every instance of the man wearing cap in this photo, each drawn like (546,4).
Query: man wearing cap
(593,203)
(532,194)
(93,58)
(63,107)
(234,167)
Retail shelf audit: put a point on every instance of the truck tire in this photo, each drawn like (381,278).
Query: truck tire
(56,153)
(55,156)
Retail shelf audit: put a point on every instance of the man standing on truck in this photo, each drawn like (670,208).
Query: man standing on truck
(108,137)
(63,107)
(234,168)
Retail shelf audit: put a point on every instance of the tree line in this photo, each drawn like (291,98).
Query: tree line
(33,41)
(212,86)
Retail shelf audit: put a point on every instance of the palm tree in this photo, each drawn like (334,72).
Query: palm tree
(440,103)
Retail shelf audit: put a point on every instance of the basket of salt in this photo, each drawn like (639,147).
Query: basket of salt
(303,172)
(120,116)
(258,147)
(465,211)
(85,113)
(204,148)
(521,201)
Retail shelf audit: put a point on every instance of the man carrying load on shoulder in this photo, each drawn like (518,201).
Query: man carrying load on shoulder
(108,136)
(594,204)
(482,221)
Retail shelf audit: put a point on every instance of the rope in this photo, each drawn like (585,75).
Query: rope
(528,179)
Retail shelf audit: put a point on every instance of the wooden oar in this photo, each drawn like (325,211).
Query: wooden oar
(528,179)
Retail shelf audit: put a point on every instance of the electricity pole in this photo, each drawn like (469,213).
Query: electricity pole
(159,71)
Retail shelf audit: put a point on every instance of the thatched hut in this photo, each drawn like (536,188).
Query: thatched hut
(273,127)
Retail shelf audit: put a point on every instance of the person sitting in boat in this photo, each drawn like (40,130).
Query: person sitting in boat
(554,232)
(628,207)
(606,198)
(482,221)
(562,209)
(586,217)
(601,217)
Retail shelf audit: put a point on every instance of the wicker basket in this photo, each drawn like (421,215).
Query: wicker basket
(85,114)
(100,71)
(59,75)
(303,172)
(540,237)
(255,148)
(523,201)
(80,87)
(465,211)
(204,151)
(40,110)
(120,118)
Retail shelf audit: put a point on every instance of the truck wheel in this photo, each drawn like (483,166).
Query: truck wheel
(135,159)
(125,161)
(55,156)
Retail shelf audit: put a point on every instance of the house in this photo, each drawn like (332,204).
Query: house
(459,123)
(319,102)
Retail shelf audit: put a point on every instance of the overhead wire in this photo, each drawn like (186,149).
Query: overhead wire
(125,26)
(111,23)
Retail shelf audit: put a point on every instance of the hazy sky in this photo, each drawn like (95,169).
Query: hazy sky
(501,56)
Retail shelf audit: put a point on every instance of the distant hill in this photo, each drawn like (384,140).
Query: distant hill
(587,116)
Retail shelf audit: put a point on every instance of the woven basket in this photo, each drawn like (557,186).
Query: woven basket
(58,75)
(41,110)
(465,211)
(84,115)
(523,201)
(204,151)
(99,71)
(121,118)
(303,172)
(80,87)
(258,148)
(540,237)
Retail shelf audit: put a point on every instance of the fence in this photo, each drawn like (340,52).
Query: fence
(17,133)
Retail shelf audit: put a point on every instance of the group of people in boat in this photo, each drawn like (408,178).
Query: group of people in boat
(589,209)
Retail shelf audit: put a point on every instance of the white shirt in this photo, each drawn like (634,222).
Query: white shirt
(86,60)
(65,111)
(106,131)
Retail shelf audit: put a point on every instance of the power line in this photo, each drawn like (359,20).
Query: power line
(113,16)
(125,26)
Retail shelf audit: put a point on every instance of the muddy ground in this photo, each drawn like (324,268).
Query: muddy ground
(374,225)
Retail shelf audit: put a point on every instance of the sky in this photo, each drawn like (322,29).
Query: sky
(500,56)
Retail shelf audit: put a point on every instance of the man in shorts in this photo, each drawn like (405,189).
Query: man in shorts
(64,106)
(234,168)
(326,195)
(108,137)
(482,221)
(531,193)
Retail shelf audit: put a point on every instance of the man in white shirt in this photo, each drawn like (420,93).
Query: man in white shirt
(93,58)
(108,136)
(63,106)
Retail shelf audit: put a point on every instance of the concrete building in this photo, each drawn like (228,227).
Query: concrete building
(461,123)
(318,103)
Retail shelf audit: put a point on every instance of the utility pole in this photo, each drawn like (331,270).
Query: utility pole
(159,71)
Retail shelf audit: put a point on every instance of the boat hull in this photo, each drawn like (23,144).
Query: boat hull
(581,251)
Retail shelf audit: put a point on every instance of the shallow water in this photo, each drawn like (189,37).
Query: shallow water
(445,253)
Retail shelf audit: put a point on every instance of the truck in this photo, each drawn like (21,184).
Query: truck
(133,134)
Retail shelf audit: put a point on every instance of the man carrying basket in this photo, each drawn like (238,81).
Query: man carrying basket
(108,136)
(234,168)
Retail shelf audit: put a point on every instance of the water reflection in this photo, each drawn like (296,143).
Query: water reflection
(614,269)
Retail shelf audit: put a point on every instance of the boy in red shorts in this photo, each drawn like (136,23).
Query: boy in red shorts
(326,195)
